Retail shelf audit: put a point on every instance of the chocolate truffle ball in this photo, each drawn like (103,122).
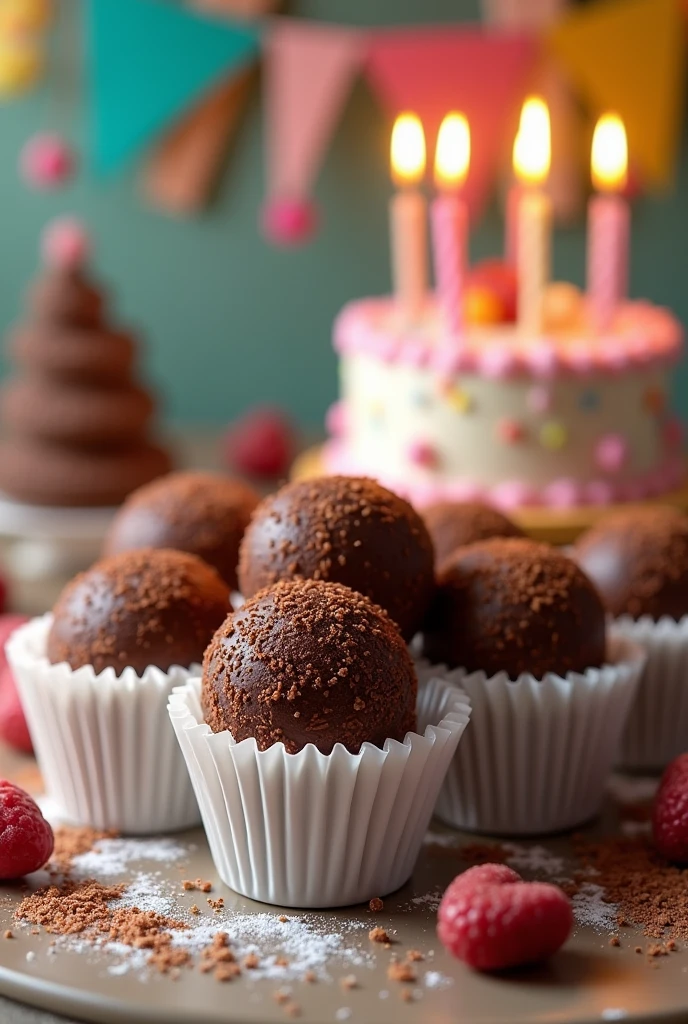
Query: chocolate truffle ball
(452,524)
(638,559)
(140,608)
(306,661)
(514,605)
(346,530)
(202,513)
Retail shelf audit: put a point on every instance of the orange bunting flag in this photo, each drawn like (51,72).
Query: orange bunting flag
(629,56)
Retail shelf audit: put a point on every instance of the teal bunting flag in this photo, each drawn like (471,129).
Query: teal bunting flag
(150,61)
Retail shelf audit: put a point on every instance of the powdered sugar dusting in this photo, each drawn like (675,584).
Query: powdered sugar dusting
(591,911)
(114,856)
(534,860)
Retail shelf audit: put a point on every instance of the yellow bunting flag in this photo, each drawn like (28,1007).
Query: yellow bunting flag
(629,56)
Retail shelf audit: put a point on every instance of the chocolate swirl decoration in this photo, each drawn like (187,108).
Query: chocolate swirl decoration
(75,422)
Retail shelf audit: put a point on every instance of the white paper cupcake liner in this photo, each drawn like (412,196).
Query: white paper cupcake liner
(316,830)
(104,746)
(538,753)
(657,727)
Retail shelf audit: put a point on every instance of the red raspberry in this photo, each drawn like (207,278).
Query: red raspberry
(13,728)
(670,812)
(26,838)
(491,919)
(261,443)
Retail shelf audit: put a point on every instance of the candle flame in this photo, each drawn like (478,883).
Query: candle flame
(609,154)
(533,145)
(453,152)
(408,150)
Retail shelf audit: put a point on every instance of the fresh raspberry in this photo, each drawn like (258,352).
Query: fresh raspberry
(261,443)
(13,728)
(491,919)
(670,812)
(26,838)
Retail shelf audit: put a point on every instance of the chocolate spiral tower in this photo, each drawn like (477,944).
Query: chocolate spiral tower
(75,423)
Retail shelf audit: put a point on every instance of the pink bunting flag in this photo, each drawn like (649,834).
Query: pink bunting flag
(431,71)
(309,72)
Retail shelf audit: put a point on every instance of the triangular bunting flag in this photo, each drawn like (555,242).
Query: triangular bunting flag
(431,71)
(629,56)
(309,72)
(151,60)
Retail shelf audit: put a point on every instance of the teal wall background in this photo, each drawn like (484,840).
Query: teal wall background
(228,320)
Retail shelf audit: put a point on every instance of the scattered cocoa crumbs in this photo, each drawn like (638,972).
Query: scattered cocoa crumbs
(194,909)
(311,977)
(401,972)
(648,890)
(638,949)
(408,995)
(70,908)
(199,885)
(283,919)
(379,935)
(219,959)
(8,934)
(483,853)
(217,905)
(251,962)
(671,945)
(414,956)
(348,982)
(35,931)
(72,842)
(282,995)
(657,950)
(281,961)
(376,905)
(292,1009)
(615,941)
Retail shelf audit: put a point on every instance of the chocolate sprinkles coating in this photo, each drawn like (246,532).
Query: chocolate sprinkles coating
(140,608)
(205,514)
(638,559)
(348,530)
(453,524)
(516,606)
(306,661)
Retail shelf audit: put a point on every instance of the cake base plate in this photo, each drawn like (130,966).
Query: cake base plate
(588,981)
(556,526)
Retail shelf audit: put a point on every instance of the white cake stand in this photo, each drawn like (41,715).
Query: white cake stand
(51,541)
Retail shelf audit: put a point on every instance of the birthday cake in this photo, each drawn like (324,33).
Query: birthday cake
(501,386)
(562,419)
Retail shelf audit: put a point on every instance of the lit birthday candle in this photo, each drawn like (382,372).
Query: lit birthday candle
(608,221)
(532,151)
(408,218)
(450,219)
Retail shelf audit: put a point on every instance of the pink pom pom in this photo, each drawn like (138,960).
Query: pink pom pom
(46,161)
(261,443)
(289,221)
(336,419)
(423,453)
(65,243)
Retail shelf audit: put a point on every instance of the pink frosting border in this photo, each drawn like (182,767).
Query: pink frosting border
(645,335)
(511,494)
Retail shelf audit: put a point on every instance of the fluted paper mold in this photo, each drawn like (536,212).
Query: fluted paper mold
(316,830)
(103,742)
(538,753)
(657,727)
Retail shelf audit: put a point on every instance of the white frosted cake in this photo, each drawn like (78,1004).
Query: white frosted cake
(564,419)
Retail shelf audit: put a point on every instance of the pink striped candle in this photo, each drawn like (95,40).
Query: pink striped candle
(513,202)
(608,243)
(450,220)
(408,218)
(608,221)
(450,248)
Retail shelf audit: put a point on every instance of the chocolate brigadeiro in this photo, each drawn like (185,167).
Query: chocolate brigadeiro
(205,514)
(517,606)
(140,608)
(346,530)
(638,559)
(306,661)
(452,524)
